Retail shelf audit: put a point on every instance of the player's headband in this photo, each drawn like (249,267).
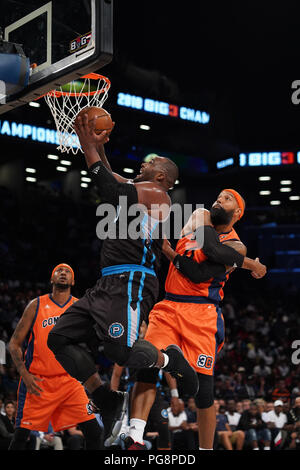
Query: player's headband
(238,199)
(63,265)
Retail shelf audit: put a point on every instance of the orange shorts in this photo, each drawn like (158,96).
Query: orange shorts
(198,329)
(63,402)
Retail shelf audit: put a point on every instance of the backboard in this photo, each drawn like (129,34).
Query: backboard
(64,39)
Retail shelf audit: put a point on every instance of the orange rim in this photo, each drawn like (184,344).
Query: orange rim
(91,76)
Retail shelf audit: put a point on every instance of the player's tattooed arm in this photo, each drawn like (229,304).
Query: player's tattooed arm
(19,335)
(15,348)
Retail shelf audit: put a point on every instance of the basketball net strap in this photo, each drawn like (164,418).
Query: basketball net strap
(65,106)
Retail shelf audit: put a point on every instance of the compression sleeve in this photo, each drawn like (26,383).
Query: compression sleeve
(109,188)
(217,251)
(198,272)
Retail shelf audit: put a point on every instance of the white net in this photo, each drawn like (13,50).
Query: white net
(92,90)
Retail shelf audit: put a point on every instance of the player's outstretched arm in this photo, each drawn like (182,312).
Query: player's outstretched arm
(15,347)
(220,253)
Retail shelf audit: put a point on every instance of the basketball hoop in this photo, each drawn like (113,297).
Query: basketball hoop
(66,104)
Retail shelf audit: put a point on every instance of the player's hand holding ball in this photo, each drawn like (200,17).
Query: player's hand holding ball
(93,126)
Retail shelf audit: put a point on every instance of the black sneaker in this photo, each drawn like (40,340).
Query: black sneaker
(181,370)
(129,444)
(112,414)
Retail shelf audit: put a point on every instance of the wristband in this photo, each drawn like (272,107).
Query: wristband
(174,393)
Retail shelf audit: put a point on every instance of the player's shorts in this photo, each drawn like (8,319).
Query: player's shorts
(197,328)
(115,307)
(63,402)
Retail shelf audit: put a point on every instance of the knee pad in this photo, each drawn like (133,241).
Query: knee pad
(148,376)
(205,394)
(143,355)
(73,358)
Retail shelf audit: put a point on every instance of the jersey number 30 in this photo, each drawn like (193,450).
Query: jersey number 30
(205,361)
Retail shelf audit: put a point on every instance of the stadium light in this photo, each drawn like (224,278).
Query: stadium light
(34,104)
(285,182)
(52,157)
(264,178)
(264,193)
(285,190)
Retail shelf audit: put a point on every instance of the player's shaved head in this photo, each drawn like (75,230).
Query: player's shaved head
(171,170)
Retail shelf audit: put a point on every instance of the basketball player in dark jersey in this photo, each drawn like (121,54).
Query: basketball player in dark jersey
(127,289)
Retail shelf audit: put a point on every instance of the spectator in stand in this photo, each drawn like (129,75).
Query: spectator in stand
(177,424)
(10,381)
(238,436)
(276,421)
(264,408)
(261,369)
(282,367)
(296,387)
(223,430)
(7,425)
(50,440)
(262,387)
(246,403)
(248,389)
(281,392)
(292,425)
(255,429)
(192,426)
(239,407)
(261,405)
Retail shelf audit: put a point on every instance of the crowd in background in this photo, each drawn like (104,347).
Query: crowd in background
(255,371)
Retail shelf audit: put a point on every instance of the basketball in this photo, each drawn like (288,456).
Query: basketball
(103,119)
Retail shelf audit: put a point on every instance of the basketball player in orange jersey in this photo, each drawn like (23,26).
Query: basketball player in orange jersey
(190,315)
(47,393)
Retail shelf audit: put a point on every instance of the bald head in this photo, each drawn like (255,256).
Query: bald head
(171,171)
(159,169)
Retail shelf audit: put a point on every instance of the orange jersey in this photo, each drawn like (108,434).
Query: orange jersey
(39,359)
(179,285)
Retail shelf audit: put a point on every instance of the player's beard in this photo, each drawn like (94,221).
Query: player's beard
(219,216)
(62,287)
